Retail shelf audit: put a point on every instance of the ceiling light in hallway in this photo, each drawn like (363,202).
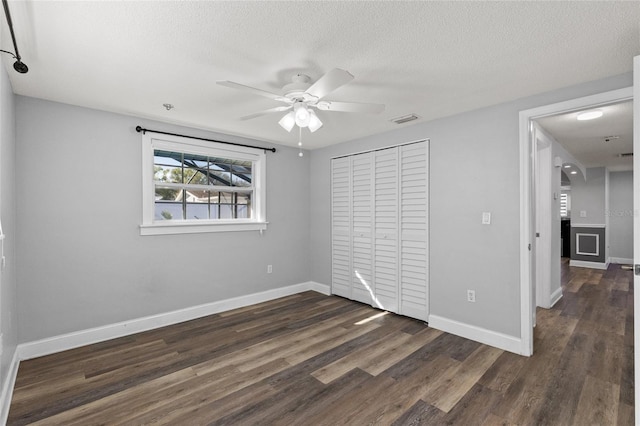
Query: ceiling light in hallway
(589,115)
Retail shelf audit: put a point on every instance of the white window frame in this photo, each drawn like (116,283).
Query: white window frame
(149,226)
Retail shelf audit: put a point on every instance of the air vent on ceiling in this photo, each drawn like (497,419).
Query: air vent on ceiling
(626,154)
(404,118)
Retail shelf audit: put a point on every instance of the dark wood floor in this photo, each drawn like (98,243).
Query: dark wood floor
(311,359)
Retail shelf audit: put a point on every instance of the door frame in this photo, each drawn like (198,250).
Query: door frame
(636,233)
(527,191)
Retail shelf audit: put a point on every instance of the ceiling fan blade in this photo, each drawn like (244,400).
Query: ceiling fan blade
(350,107)
(250,89)
(266,111)
(329,82)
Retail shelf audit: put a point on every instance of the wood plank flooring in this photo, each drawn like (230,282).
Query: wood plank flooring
(317,360)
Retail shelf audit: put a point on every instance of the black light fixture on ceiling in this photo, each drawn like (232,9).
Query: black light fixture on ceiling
(18,65)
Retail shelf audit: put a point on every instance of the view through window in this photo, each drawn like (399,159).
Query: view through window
(192,187)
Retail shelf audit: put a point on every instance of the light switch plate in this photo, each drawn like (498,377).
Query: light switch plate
(583,213)
(486,218)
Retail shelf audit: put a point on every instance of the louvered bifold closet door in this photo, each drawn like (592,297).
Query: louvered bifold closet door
(386,229)
(414,208)
(361,222)
(340,227)
(380,212)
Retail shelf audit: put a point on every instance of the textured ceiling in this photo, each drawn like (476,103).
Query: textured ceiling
(585,140)
(430,58)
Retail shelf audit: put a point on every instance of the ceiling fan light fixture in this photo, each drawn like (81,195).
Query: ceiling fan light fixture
(314,121)
(288,121)
(301,114)
(303,98)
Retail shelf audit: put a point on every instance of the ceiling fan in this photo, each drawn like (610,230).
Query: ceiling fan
(302,98)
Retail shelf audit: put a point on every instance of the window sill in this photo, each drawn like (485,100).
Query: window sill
(198,227)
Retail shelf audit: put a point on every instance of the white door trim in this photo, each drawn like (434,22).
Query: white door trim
(636,229)
(526,227)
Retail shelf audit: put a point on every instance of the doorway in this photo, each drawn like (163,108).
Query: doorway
(599,231)
(528,193)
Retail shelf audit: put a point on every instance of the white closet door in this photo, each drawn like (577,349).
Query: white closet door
(386,229)
(414,209)
(379,217)
(340,227)
(361,235)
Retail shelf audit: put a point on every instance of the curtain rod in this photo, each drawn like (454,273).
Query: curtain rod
(143,131)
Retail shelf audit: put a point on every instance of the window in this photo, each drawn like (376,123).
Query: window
(564,204)
(194,186)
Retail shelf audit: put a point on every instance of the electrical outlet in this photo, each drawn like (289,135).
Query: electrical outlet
(471,295)
(269,269)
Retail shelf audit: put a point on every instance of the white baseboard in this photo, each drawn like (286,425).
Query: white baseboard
(479,334)
(7,388)
(320,288)
(586,264)
(99,334)
(555,296)
(621,260)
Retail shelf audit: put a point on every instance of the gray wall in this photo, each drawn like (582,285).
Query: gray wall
(474,168)
(589,196)
(9,316)
(621,214)
(82,262)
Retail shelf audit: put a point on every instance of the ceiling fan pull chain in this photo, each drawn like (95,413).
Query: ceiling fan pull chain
(300,154)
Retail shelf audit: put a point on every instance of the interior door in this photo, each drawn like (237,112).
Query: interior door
(533,245)
(414,229)
(386,230)
(362,288)
(636,224)
(340,227)
(544,215)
